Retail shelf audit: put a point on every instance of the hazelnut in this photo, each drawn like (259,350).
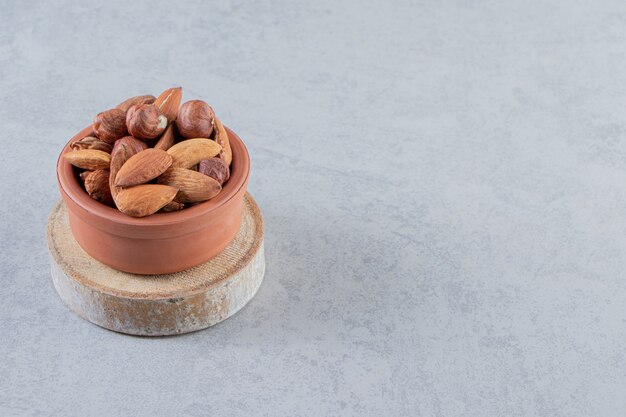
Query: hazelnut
(91,142)
(145,121)
(110,125)
(215,168)
(126,104)
(195,119)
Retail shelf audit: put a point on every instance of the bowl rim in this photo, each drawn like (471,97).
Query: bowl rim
(69,185)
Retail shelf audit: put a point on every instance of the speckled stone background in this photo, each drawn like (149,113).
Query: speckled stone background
(443,185)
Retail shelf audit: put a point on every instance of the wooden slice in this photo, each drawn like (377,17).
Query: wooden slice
(158,305)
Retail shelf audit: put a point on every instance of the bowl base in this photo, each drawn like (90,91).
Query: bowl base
(158,305)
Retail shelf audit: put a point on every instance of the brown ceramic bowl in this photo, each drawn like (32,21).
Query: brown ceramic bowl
(160,243)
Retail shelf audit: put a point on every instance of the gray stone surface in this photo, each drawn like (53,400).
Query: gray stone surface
(443,184)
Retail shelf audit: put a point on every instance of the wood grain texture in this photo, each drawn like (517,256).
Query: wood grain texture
(158,305)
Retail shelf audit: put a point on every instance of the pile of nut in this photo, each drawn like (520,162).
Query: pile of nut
(150,154)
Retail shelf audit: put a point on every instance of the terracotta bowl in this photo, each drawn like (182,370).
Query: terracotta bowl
(161,243)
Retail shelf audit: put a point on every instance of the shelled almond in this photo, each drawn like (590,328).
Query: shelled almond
(190,152)
(151,154)
(143,167)
(89,159)
(193,186)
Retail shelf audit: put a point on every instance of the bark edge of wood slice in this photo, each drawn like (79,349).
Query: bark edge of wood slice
(158,305)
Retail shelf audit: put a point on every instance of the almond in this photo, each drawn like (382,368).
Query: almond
(189,152)
(144,200)
(142,167)
(221,137)
(89,159)
(172,206)
(167,139)
(122,151)
(129,102)
(192,186)
(97,186)
(91,142)
(169,102)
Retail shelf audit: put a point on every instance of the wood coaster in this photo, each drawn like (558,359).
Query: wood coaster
(158,305)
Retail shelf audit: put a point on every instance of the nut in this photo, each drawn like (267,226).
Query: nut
(143,167)
(215,168)
(192,186)
(172,206)
(195,119)
(152,155)
(97,186)
(128,103)
(91,142)
(169,102)
(122,151)
(89,159)
(189,152)
(221,137)
(110,125)
(143,200)
(125,148)
(167,139)
(145,121)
